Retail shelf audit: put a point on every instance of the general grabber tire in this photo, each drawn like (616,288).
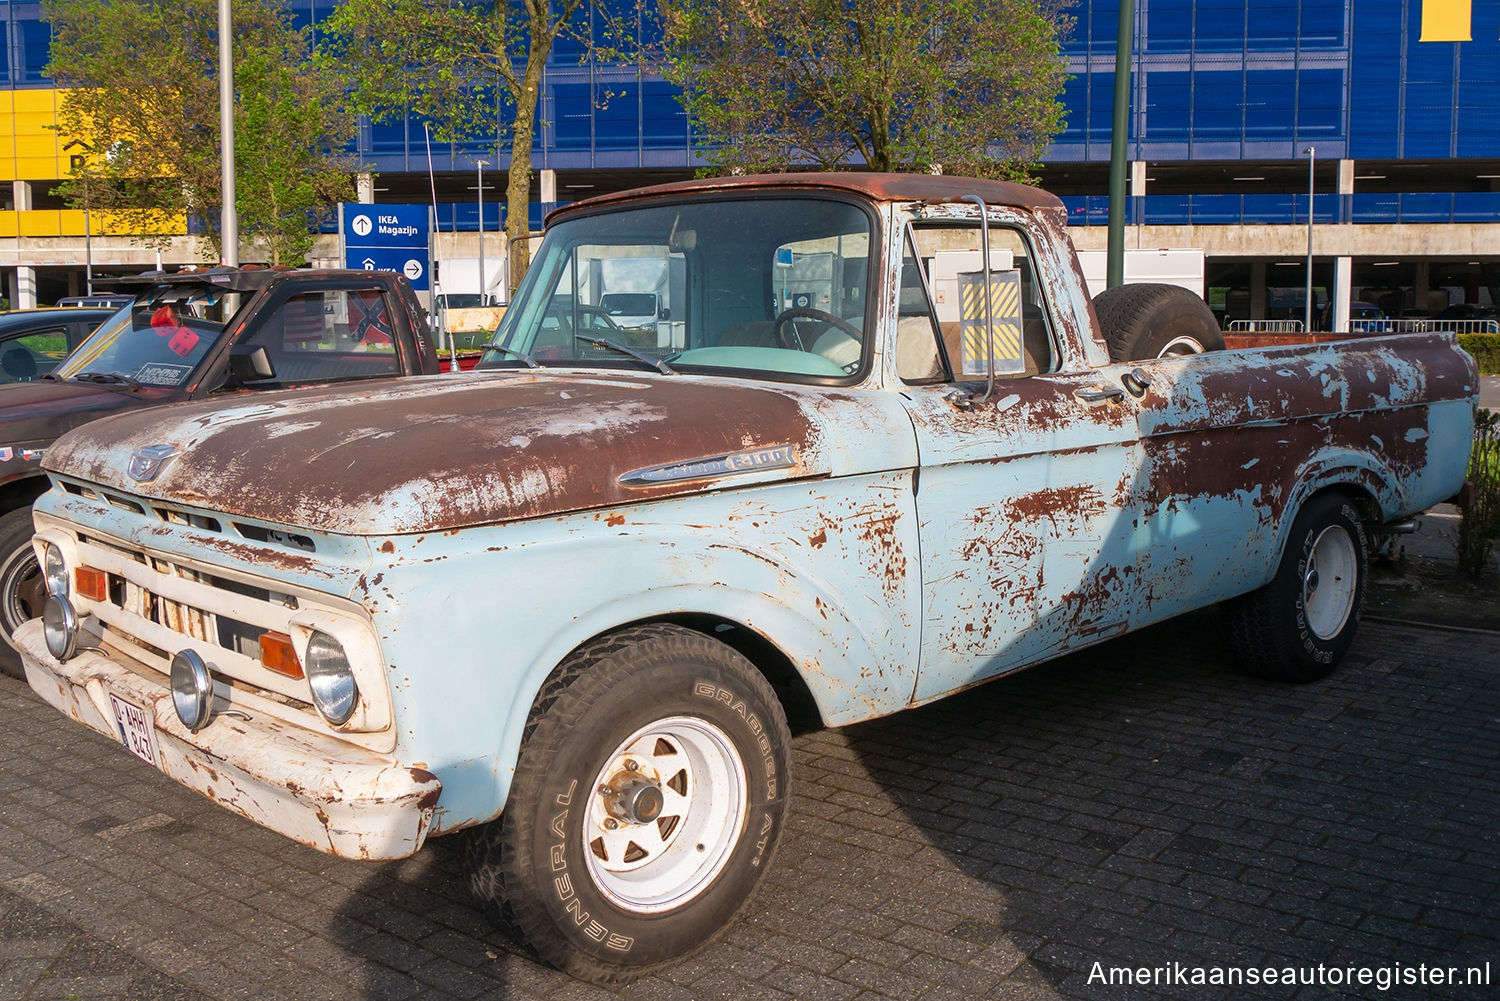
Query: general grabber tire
(1298,627)
(646,805)
(21,588)
(1145,321)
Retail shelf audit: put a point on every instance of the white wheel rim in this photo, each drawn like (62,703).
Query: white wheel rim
(1329,582)
(1181,346)
(656,865)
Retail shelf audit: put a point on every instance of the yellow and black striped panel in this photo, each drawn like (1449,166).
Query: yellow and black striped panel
(1005,305)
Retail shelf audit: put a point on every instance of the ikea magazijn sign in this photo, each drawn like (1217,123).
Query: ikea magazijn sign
(388,238)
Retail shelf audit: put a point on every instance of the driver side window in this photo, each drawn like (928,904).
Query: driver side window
(928,352)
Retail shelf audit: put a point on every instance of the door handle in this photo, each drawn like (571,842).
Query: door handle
(1098,394)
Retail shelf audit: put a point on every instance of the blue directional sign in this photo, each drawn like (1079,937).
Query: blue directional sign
(388,238)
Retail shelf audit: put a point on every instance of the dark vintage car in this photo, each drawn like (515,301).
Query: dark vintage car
(34,341)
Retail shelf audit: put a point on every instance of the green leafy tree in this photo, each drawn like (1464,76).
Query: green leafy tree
(970,86)
(472,67)
(142,96)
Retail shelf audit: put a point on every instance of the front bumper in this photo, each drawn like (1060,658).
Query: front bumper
(314,789)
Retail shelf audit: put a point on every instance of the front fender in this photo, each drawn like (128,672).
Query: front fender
(473,622)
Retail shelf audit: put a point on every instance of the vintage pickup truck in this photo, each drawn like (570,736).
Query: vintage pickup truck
(884,455)
(192,335)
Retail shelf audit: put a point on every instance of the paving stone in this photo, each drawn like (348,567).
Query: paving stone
(1142,803)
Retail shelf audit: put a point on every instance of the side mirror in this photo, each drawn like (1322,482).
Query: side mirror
(665,314)
(249,364)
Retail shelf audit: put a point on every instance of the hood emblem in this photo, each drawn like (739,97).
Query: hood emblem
(752,460)
(147,462)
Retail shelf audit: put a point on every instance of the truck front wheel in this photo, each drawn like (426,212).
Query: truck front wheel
(1299,626)
(646,805)
(21,590)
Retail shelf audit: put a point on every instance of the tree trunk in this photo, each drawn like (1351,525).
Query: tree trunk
(518,180)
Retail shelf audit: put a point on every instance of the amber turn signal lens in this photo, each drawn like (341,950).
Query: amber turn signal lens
(90,583)
(276,654)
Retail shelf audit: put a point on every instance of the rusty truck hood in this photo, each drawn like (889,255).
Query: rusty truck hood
(432,454)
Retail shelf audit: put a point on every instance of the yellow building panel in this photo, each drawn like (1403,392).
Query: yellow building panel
(36,146)
(30,100)
(41,222)
(1447,21)
(6,103)
(10,225)
(36,168)
(70,222)
(36,124)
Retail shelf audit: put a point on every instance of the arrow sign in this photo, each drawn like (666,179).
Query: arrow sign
(387,238)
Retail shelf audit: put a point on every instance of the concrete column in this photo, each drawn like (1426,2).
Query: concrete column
(1138,197)
(25,297)
(1421,284)
(1343,278)
(364,187)
(1258,290)
(1346,189)
(548,182)
(22,193)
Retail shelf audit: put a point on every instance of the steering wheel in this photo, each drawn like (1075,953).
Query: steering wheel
(787,319)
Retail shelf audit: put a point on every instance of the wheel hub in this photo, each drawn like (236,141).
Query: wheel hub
(667,809)
(631,799)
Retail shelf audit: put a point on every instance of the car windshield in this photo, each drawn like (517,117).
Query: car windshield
(770,288)
(157,340)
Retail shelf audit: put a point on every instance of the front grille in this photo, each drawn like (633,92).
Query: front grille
(156,608)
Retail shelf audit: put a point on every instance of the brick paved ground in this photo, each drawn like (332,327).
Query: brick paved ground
(1138,805)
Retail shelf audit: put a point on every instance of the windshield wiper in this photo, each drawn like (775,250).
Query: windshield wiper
(644,359)
(107,379)
(519,355)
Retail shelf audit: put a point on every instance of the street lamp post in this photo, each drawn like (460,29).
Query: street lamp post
(78,166)
(88,242)
(483,285)
(1312,158)
(229,220)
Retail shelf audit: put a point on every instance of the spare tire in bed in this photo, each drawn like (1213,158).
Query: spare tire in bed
(1146,321)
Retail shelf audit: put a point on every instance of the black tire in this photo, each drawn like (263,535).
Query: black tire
(1298,627)
(21,589)
(679,706)
(1140,322)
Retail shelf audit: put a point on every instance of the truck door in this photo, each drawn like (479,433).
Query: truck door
(1024,498)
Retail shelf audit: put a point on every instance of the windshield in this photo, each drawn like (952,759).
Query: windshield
(770,287)
(158,340)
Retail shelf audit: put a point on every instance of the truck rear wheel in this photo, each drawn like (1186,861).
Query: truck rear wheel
(21,590)
(1298,627)
(646,805)
(1145,321)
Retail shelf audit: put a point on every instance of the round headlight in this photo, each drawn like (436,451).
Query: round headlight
(333,689)
(192,689)
(55,571)
(60,627)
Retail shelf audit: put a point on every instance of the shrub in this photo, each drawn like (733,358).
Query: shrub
(1481,512)
(1486,351)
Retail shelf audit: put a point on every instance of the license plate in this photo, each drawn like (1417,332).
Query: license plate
(136,729)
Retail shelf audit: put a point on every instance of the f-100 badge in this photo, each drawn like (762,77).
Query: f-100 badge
(751,460)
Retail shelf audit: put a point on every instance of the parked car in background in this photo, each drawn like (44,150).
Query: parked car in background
(1469,311)
(178,340)
(111,301)
(34,341)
